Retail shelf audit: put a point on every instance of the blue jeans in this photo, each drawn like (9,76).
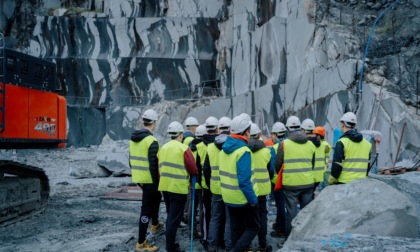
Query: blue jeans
(280,224)
(292,197)
(217,221)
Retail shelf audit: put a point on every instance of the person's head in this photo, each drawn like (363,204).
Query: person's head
(319,131)
(240,126)
(191,123)
(308,126)
(293,123)
(212,125)
(255,131)
(200,131)
(175,130)
(224,125)
(150,118)
(278,131)
(348,122)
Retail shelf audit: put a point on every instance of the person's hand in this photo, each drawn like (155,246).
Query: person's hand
(332,180)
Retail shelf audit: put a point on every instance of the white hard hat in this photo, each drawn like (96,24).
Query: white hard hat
(246,116)
(191,121)
(349,119)
(200,131)
(239,124)
(224,122)
(308,125)
(174,128)
(293,123)
(150,114)
(278,127)
(255,129)
(211,123)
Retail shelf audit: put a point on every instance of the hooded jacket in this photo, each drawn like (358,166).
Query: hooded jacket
(243,169)
(139,135)
(339,154)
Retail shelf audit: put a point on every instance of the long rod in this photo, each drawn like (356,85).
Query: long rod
(399,146)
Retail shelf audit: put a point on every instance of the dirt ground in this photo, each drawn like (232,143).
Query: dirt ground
(77,218)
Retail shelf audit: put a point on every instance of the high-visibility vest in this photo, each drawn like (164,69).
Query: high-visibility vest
(231,193)
(201,152)
(327,148)
(213,154)
(356,160)
(297,172)
(139,160)
(274,179)
(187,140)
(173,174)
(319,167)
(260,160)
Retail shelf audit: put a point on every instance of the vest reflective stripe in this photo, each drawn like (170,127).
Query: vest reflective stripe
(188,140)
(356,160)
(173,174)
(201,151)
(274,179)
(298,164)
(260,160)
(231,193)
(319,164)
(140,167)
(213,153)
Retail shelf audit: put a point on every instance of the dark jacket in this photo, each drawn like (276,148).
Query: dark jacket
(208,139)
(256,145)
(193,147)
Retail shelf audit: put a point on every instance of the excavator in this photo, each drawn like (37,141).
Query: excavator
(32,116)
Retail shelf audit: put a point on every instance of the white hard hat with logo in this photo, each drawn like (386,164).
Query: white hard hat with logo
(239,124)
(211,123)
(200,131)
(224,123)
(308,125)
(293,123)
(278,127)
(255,130)
(191,121)
(150,114)
(174,128)
(349,119)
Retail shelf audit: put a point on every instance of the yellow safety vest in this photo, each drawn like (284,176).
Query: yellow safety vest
(297,172)
(173,174)
(274,179)
(356,160)
(213,153)
(328,148)
(260,160)
(139,160)
(319,167)
(201,151)
(188,140)
(231,193)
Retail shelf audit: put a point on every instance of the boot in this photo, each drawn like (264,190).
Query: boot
(146,246)
(158,229)
(267,248)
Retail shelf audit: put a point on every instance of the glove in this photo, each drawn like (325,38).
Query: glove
(332,180)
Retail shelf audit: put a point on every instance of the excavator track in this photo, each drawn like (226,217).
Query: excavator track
(24,191)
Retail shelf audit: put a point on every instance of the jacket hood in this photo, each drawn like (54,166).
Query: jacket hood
(220,140)
(298,137)
(194,142)
(315,141)
(207,139)
(256,145)
(232,144)
(353,135)
(187,134)
(139,135)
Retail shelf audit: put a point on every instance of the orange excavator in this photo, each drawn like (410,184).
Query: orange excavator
(32,115)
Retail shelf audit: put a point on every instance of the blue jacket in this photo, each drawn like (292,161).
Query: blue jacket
(243,169)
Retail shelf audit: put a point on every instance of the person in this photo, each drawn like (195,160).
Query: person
(320,131)
(297,154)
(278,134)
(351,153)
(261,158)
(308,126)
(177,165)
(145,173)
(191,123)
(238,188)
(224,125)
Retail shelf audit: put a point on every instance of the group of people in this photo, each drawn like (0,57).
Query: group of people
(235,172)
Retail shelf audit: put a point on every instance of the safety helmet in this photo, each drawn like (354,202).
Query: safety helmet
(224,123)
(319,130)
(200,131)
(255,130)
(308,125)
(278,127)
(150,114)
(174,128)
(349,119)
(211,123)
(293,123)
(191,121)
(239,124)
(246,116)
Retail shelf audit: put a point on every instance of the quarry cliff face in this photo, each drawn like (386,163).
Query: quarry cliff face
(270,59)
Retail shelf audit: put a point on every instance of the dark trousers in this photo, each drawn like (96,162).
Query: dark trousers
(174,206)
(301,196)
(207,195)
(149,209)
(244,226)
(262,212)
(217,222)
(198,209)
(280,224)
